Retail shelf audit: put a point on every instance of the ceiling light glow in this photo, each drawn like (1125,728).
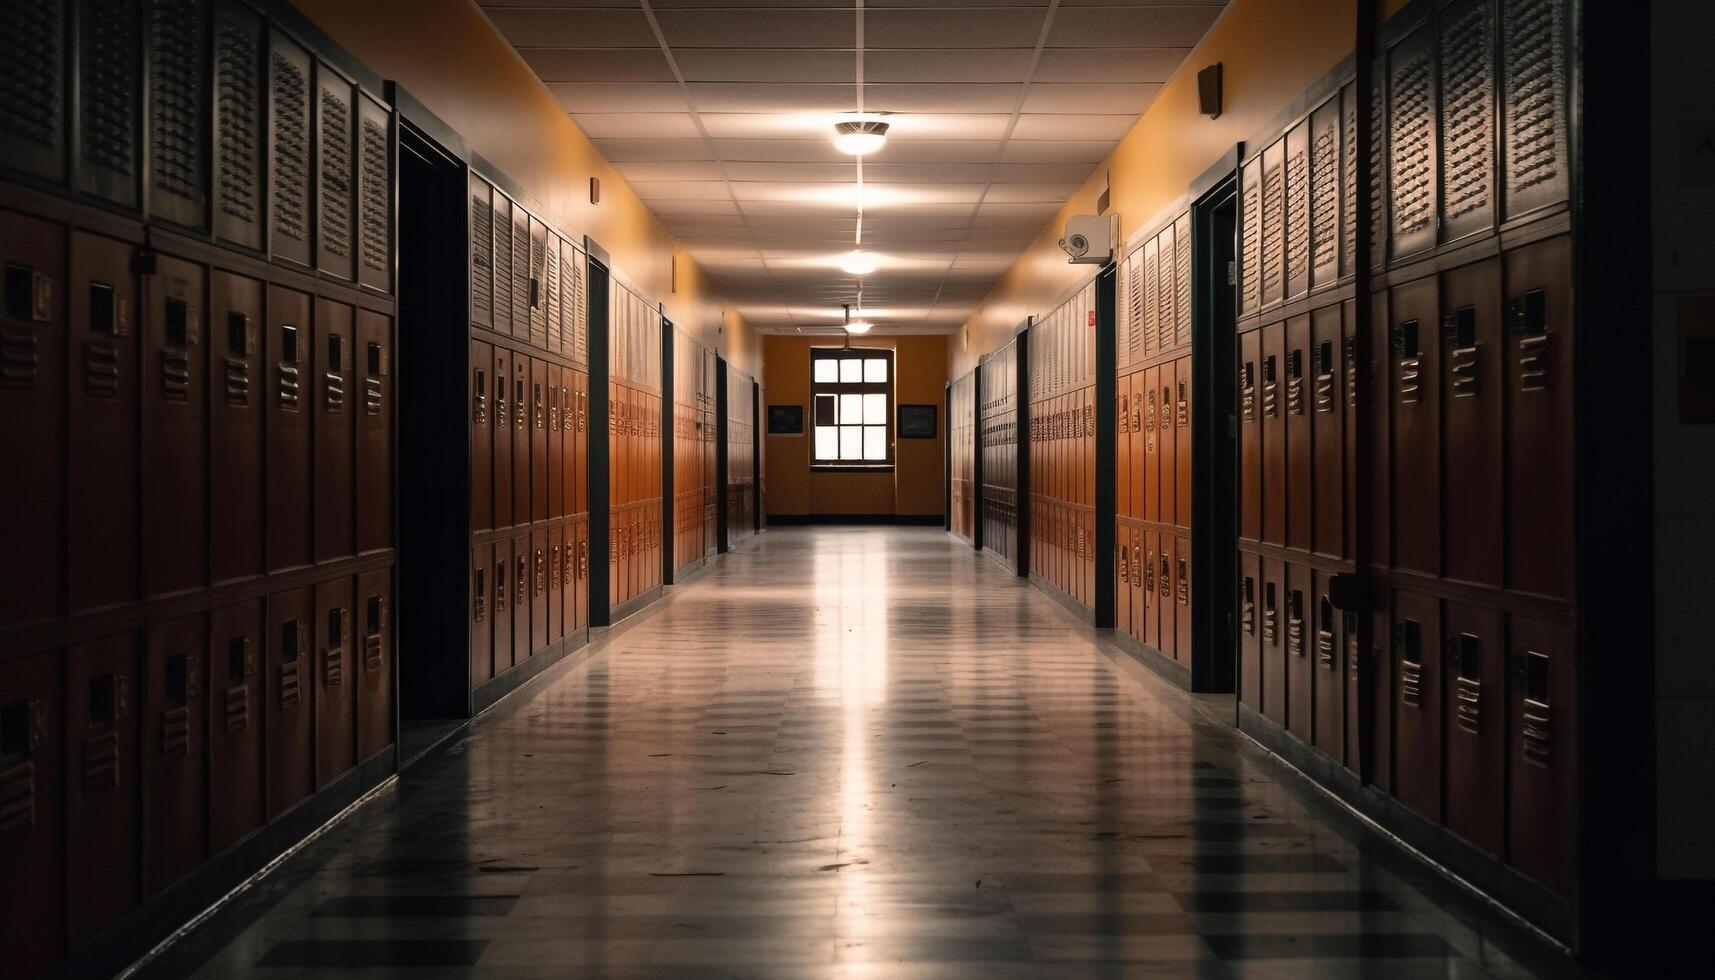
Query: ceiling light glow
(858,327)
(858,263)
(859,137)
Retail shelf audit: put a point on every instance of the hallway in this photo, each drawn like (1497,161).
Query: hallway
(852,751)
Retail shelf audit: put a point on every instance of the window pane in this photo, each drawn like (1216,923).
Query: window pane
(875,409)
(851,442)
(827,370)
(851,370)
(851,408)
(875,442)
(875,370)
(827,442)
(825,409)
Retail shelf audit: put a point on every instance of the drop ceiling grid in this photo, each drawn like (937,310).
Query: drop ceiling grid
(717,112)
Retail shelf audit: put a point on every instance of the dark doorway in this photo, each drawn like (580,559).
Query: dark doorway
(1214,460)
(434,471)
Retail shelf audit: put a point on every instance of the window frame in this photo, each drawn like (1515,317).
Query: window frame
(838,388)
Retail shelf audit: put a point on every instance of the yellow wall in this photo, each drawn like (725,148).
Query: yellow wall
(450,58)
(1270,52)
(914,486)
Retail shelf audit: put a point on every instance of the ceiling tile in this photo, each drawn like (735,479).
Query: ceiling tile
(780,65)
(842,172)
(947,65)
(1066,126)
(1175,26)
(1110,65)
(941,97)
(1031,193)
(1055,151)
(603,97)
(762,97)
(653,150)
(654,191)
(597,64)
(989,27)
(636,125)
(668,170)
(781,28)
(1090,98)
(574,27)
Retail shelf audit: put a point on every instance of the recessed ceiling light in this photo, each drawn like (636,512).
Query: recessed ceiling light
(858,263)
(859,136)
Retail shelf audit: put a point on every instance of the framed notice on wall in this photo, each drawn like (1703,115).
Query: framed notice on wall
(785,420)
(917,421)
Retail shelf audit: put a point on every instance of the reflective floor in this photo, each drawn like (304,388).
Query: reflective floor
(853,752)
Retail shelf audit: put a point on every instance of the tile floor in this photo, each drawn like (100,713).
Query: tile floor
(853,752)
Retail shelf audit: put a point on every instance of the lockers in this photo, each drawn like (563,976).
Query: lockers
(108,158)
(289,718)
(336,173)
(335,679)
(175,412)
(373,168)
(1541,719)
(1327,431)
(1538,369)
(371,625)
(1415,661)
(634,444)
(537,392)
(1297,411)
(1062,373)
(177,33)
(101,781)
(1413,360)
(235,665)
(291,149)
(101,434)
(741,458)
(961,435)
(523,411)
(374,420)
(522,600)
(292,398)
(239,389)
(694,492)
(502,412)
(32,423)
(33,122)
(484,605)
(175,751)
(1470,342)
(33,775)
(335,402)
(998,433)
(237,115)
(1473,678)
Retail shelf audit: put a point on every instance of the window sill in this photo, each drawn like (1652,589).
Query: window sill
(851,468)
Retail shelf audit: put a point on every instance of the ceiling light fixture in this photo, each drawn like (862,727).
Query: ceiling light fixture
(858,263)
(855,326)
(859,137)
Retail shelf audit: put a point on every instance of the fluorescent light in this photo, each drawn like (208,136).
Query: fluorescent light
(858,327)
(859,137)
(858,263)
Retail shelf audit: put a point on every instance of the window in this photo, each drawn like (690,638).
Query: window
(852,392)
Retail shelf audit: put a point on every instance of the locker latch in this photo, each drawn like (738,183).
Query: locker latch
(1459,332)
(1465,652)
(29,294)
(1527,313)
(1348,592)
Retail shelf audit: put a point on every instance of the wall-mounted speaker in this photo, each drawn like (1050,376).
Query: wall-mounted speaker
(1209,91)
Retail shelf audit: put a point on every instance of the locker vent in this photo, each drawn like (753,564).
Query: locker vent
(481,265)
(1467,132)
(19,358)
(1535,70)
(520,265)
(31,49)
(238,144)
(1378,172)
(336,184)
(1413,143)
(1182,261)
(101,368)
(1325,197)
(1134,328)
(1250,241)
(108,84)
(552,271)
(373,194)
(291,149)
(1348,180)
(1297,214)
(1164,298)
(502,268)
(175,110)
(1273,214)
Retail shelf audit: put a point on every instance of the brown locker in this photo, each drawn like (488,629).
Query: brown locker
(537,391)
(33,132)
(559,623)
(1122,448)
(1139,622)
(1250,236)
(108,71)
(554,497)
(1122,577)
(1272,409)
(374,656)
(238,116)
(336,680)
(1412,144)
(1327,669)
(581,573)
(540,595)
(481,253)
(569,463)
(1182,443)
(1151,298)
(102,425)
(1416,476)
(500,610)
(483,608)
(1167,597)
(1295,615)
(1473,653)
(335,482)
(374,228)
(502,269)
(1349,367)
(101,783)
(1542,724)
(290,150)
(1352,660)
(32,826)
(1327,435)
(1298,488)
(537,287)
(1182,598)
(1380,410)
(1297,190)
(1471,422)
(336,183)
(1167,291)
(1325,193)
(1273,629)
(1248,625)
(522,408)
(1152,454)
(1272,260)
(289,723)
(32,419)
(236,654)
(174,428)
(291,398)
(481,437)
(237,390)
(581,452)
(500,418)
(1250,435)
(1182,276)
(554,285)
(178,108)
(375,433)
(522,295)
(1416,658)
(1467,124)
(175,751)
(1382,697)
(521,599)
(1089,495)
(1539,356)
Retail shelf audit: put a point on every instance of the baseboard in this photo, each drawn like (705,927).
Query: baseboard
(632,605)
(881,520)
(514,677)
(1159,663)
(1084,613)
(1001,560)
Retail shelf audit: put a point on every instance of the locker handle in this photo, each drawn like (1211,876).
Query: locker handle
(1527,313)
(29,294)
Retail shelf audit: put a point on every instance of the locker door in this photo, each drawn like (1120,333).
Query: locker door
(288,719)
(1416,644)
(1471,422)
(287,434)
(374,662)
(481,437)
(289,150)
(175,751)
(1139,451)
(101,511)
(1249,627)
(553,497)
(522,428)
(561,613)
(1273,629)
(1539,376)
(236,652)
(521,598)
(1416,470)
(501,424)
(375,433)
(1166,444)
(1166,597)
(1272,371)
(1139,625)
(481,253)
(1474,679)
(101,783)
(538,436)
(538,285)
(1541,720)
(1299,454)
(522,295)
(569,461)
(1250,435)
(1182,599)
(1089,494)
(237,390)
(1328,421)
(500,610)
(502,268)
(374,226)
(581,452)
(482,613)
(1377,453)
(1152,445)
(335,482)
(539,593)
(1327,669)
(32,829)
(1182,443)
(238,79)
(32,420)
(554,286)
(33,132)
(336,681)
(581,595)
(336,183)
(109,72)
(1353,451)
(1122,577)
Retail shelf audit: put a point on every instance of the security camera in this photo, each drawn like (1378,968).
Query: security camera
(1089,239)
